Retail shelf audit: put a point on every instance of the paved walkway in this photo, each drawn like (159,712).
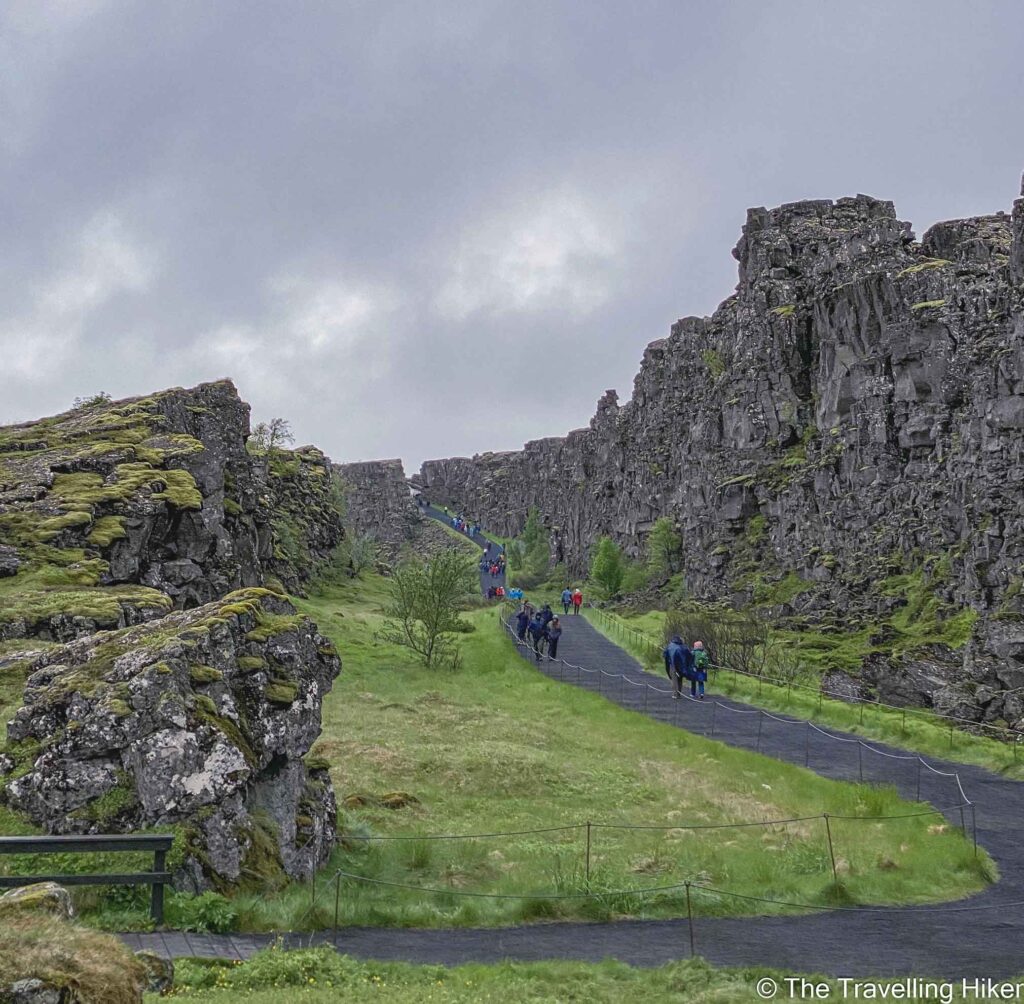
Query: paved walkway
(981,936)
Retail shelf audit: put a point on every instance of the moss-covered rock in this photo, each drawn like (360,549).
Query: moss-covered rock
(114,736)
(158,494)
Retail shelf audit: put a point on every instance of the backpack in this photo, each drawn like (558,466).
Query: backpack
(701,661)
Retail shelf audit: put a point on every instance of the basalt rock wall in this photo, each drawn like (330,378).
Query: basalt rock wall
(844,429)
(134,507)
(378,502)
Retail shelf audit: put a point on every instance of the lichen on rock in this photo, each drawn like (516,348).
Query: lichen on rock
(198,722)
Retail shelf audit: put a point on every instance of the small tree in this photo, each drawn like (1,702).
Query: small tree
(93,401)
(608,568)
(269,436)
(362,552)
(426,597)
(663,545)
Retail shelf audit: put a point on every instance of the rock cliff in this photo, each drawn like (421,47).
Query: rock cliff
(378,502)
(840,441)
(117,511)
(198,720)
(155,696)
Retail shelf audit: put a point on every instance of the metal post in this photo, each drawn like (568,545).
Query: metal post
(647,690)
(862,711)
(903,724)
(600,681)
(760,722)
(831,849)
(337,900)
(918,798)
(860,761)
(689,917)
(714,708)
(950,735)
(622,688)
(588,850)
(963,823)
(974,828)
(156,899)
(807,745)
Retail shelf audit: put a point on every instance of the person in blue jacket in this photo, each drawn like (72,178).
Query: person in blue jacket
(566,599)
(522,623)
(678,664)
(539,634)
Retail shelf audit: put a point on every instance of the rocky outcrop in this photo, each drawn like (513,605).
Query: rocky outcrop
(379,503)
(841,441)
(117,511)
(306,506)
(198,721)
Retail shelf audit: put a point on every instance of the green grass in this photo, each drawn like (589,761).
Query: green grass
(319,976)
(498,747)
(914,731)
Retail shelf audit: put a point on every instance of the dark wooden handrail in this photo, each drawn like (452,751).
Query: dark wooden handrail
(158,877)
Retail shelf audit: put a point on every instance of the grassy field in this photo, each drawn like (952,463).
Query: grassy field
(497,747)
(930,737)
(320,976)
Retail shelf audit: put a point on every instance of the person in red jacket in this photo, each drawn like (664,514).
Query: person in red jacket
(577,600)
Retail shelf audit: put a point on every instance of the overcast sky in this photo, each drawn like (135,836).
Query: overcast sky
(426,229)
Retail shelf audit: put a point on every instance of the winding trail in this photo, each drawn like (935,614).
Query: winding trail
(982,936)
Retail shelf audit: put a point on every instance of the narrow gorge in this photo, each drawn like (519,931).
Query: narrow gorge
(840,443)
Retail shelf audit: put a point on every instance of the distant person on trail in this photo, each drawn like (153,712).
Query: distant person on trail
(491,591)
(577,600)
(701,662)
(539,634)
(554,633)
(522,623)
(500,592)
(547,614)
(566,599)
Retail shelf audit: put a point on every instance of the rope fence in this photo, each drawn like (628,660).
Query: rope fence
(1011,736)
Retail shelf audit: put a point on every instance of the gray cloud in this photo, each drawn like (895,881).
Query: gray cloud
(430,229)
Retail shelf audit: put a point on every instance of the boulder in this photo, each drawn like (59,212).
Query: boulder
(197,722)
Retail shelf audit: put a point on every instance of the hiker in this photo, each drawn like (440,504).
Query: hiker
(566,599)
(539,634)
(688,673)
(522,623)
(577,600)
(701,662)
(490,592)
(674,664)
(547,614)
(554,633)
(500,592)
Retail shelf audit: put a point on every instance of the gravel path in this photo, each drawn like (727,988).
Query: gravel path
(981,936)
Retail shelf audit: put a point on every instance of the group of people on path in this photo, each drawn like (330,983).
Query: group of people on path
(685,663)
(495,567)
(496,592)
(572,598)
(543,627)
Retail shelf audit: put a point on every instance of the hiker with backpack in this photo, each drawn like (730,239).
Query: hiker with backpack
(675,664)
(701,663)
(554,633)
(522,623)
(539,634)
